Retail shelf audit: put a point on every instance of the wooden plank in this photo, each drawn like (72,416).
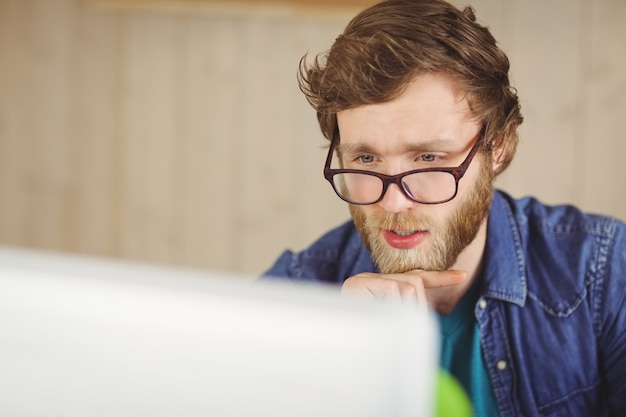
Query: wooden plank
(12,115)
(95,205)
(267,181)
(318,208)
(253,157)
(148,129)
(546,58)
(45,156)
(601,163)
(296,3)
(329,9)
(210,180)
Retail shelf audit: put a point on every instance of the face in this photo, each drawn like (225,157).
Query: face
(429,125)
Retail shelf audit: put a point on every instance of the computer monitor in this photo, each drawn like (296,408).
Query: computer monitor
(95,337)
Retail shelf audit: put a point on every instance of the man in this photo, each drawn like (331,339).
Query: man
(415,99)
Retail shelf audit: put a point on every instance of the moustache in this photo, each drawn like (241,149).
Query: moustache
(397,221)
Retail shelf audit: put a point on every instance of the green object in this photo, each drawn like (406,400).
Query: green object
(452,401)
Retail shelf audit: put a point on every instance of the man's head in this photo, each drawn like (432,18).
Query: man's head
(410,85)
(387,45)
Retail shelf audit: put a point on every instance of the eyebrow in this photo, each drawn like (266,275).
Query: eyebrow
(430,145)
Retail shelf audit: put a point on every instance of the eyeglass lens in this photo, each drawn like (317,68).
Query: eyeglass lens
(423,187)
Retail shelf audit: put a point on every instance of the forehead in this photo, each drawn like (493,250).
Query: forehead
(432,108)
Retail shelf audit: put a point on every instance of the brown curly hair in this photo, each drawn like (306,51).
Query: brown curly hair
(387,45)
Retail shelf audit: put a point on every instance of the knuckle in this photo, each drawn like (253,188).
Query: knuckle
(409,290)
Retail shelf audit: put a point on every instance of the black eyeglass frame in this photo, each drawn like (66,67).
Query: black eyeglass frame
(456,172)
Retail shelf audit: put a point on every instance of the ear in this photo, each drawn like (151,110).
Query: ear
(498,155)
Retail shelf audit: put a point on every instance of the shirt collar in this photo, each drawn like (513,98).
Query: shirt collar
(505,277)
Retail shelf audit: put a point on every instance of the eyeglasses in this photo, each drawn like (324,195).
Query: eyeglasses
(425,186)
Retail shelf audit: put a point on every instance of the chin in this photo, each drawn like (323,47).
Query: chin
(394,261)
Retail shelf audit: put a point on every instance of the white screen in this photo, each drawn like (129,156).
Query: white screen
(90,337)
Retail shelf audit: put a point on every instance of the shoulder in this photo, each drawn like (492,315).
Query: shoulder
(565,252)
(559,225)
(562,219)
(332,258)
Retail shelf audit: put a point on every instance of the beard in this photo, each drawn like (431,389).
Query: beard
(446,238)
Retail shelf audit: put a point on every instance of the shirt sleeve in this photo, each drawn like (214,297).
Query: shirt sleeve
(281,268)
(613,321)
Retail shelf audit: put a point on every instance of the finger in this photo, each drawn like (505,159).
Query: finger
(362,286)
(381,287)
(437,279)
(371,286)
(413,293)
(422,301)
(408,292)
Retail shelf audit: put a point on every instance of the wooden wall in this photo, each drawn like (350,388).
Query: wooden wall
(180,136)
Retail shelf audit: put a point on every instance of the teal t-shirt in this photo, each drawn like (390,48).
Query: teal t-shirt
(461,354)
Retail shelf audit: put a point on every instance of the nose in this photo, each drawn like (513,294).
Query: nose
(395,201)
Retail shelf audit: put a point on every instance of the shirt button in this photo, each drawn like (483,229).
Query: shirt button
(501,365)
(482,304)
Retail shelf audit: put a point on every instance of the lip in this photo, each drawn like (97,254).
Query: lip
(404,242)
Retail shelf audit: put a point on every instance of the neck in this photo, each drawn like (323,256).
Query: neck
(443,300)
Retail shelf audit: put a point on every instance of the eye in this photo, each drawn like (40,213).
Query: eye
(366,159)
(429,157)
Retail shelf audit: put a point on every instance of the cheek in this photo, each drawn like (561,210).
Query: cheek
(360,214)
(481,167)
(357,214)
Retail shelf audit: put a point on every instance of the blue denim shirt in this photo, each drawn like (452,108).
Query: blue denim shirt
(551,312)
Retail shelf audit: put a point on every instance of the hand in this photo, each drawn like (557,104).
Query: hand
(409,287)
